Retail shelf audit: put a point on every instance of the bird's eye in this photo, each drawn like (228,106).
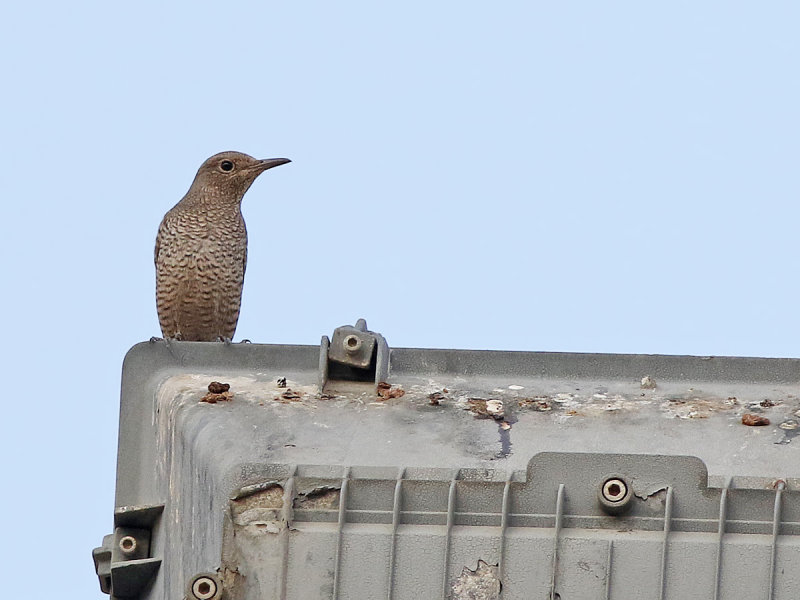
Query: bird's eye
(226,166)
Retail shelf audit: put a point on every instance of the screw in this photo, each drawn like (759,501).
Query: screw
(352,344)
(614,490)
(127,544)
(204,588)
(614,495)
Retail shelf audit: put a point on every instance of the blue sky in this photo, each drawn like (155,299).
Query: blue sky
(602,177)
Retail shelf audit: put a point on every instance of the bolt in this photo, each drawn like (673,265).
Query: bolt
(127,544)
(614,490)
(614,495)
(352,344)
(204,588)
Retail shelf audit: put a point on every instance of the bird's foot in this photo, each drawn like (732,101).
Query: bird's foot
(169,339)
(175,338)
(178,337)
(223,339)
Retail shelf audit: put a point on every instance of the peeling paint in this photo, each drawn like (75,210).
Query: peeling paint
(260,511)
(483,583)
(644,490)
(319,498)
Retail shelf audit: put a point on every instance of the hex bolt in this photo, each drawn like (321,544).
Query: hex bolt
(127,545)
(351,344)
(204,588)
(614,495)
(614,490)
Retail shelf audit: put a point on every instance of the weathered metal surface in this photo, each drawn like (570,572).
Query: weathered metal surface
(420,480)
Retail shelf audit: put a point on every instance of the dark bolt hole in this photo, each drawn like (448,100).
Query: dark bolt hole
(203,587)
(352,342)
(127,543)
(613,489)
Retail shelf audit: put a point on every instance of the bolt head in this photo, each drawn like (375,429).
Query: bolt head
(127,544)
(204,588)
(614,490)
(351,344)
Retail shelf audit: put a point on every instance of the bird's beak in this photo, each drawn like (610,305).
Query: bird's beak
(268,163)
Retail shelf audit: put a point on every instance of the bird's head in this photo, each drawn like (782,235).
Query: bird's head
(230,174)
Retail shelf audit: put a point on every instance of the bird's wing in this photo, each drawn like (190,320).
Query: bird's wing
(162,231)
(165,234)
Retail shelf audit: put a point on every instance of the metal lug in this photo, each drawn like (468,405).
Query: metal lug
(354,355)
(123,563)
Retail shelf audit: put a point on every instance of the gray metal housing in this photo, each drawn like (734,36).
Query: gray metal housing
(484,480)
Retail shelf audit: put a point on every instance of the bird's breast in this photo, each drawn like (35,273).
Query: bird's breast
(192,243)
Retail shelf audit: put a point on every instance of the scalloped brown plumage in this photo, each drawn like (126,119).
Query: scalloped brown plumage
(201,251)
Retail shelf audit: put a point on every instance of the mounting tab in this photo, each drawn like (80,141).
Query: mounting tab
(124,564)
(353,357)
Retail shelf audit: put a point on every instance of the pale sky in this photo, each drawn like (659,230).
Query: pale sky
(585,176)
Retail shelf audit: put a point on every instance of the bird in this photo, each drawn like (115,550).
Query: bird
(201,251)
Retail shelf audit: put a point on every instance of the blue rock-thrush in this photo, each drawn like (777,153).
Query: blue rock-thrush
(201,251)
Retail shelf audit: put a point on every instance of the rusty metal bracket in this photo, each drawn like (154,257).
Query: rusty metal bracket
(124,564)
(354,355)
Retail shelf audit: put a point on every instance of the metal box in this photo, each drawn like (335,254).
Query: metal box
(453,474)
